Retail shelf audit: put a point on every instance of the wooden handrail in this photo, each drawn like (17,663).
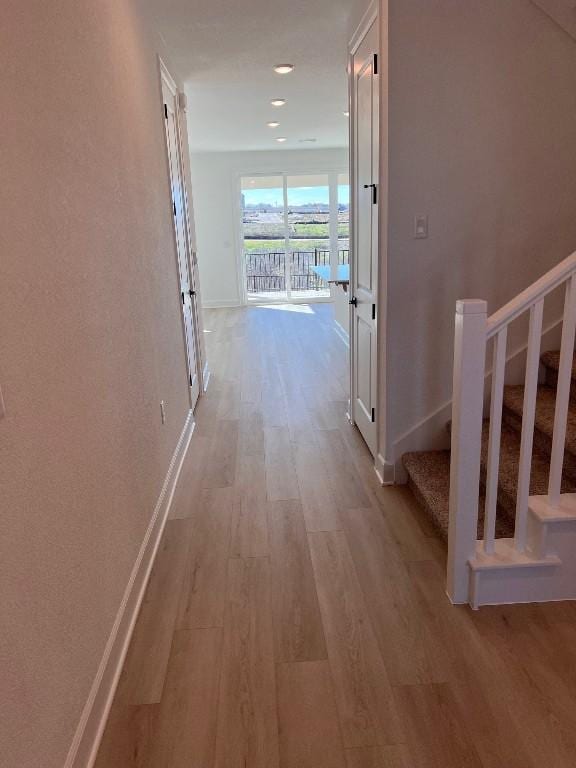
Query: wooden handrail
(538,290)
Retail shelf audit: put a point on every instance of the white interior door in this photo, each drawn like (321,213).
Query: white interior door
(187,292)
(364,273)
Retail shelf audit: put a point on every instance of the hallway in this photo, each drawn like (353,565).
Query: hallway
(296,613)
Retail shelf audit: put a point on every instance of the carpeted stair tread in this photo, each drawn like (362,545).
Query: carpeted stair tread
(429,479)
(508,471)
(544,420)
(551,363)
(551,360)
(429,471)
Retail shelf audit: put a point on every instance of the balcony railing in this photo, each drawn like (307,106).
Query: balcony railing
(266,272)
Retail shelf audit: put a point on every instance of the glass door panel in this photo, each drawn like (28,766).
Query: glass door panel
(264,237)
(308,220)
(343,218)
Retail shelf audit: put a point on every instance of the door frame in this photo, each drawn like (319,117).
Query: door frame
(202,373)
(383,469)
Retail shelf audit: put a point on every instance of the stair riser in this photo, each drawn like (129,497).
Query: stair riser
(542,442)
(505,504)
(552,381)
(429,512)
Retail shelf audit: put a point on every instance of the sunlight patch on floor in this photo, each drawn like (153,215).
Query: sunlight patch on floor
(304,309)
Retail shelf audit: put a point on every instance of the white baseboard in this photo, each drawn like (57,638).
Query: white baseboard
(84,748)
(220,304)
(384,470)
(205,377)
(430,433)
(342,333)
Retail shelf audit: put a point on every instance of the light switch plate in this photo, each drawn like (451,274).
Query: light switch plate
(420,227)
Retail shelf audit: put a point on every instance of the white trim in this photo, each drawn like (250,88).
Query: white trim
(367,20)
(206,377)
(385,472)
(84,747)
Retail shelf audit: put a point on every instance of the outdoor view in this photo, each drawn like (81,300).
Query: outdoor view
(283,245)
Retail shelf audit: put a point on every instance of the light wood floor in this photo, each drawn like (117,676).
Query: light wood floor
(296,614)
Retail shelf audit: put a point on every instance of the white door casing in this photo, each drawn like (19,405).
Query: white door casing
(178,200)
(365,134)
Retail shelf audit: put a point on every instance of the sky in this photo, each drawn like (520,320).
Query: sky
(296,195)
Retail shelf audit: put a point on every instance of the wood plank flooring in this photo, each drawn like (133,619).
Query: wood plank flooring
(296,616)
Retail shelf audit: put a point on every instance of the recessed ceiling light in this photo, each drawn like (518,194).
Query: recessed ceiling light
(278,102)
(281,139)
(346,114)
(306,141)
(272,125)
(283,69)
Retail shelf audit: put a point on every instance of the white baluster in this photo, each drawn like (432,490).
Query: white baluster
(562,393)
(467,405)
(528,415)
(498,370)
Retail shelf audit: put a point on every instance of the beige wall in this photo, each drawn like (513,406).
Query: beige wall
(90,342)
(482,121)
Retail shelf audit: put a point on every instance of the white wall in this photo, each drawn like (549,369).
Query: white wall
(215,180)
(482,138)
(91,342)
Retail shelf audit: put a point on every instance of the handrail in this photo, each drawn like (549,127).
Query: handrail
(538,290)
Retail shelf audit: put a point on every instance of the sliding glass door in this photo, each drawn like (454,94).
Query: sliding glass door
(291,230)
(308,199)
(264,237)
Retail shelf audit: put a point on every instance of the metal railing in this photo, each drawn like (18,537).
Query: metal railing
(270,271)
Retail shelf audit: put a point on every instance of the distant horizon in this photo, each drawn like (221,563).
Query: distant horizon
(296,196)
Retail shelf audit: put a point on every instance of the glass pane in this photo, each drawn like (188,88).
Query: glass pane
(343,218)
(264,237)
(309,235)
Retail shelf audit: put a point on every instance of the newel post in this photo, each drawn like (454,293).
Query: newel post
(467,406)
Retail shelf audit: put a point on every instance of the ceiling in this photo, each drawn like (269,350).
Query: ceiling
(225,51)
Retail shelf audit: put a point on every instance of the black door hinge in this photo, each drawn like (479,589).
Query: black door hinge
(166,111)
(190,378)
(373,415)
(373,311)
(375,65)
(374,189)
(183,298)
(174,208)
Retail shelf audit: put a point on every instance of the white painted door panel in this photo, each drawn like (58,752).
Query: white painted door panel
(365,99)
(187,293)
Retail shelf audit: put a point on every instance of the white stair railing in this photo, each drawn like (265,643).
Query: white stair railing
(472,332)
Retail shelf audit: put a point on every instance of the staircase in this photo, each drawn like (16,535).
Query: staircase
(504,496)
(429,471)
